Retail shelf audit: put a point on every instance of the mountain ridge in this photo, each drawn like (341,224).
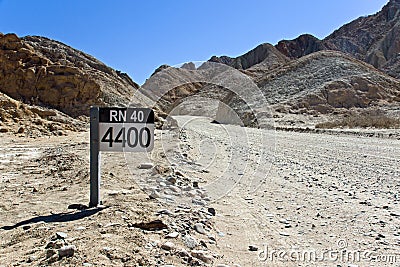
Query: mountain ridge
(374,39)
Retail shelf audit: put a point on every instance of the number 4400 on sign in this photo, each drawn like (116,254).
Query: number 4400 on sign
(126,129)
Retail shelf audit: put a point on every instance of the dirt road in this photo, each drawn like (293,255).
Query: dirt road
(318,195)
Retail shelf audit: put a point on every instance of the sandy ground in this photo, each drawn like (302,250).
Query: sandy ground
(298,199)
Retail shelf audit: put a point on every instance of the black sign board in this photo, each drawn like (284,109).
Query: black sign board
(126,115)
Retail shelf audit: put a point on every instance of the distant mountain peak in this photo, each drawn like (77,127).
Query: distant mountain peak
(263,53)
(303,45)
(374,39)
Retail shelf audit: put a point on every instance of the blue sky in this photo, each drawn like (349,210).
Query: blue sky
(138,36)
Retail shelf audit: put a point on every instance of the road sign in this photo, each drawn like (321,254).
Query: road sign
(126,129)
(117,130)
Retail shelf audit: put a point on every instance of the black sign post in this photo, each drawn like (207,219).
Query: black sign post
(95,173)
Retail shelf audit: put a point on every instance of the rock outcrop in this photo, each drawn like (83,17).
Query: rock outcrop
(325,82)
(303,45)
(43,72)
(265,54)
(19,118)
(46,85)
(170,87)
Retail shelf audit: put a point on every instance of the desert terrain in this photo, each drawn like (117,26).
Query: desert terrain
(286,155)
(301,192)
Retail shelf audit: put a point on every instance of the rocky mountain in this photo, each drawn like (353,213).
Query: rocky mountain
(171,87)
(374,39)
(323,85)
(325,82)
(43,74)
(305,76)
(40,71)
(352,71)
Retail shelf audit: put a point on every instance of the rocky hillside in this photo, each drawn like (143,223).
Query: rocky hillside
(40,71)
(355,69)
(325,85)
(319,86)
(20,118)
(171,88)
(298,77)
(327,82)
(374,39)
(344,81)
(44,74)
